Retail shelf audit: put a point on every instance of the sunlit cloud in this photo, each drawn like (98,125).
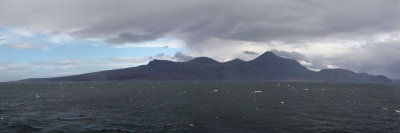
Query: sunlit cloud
(22,32)
(60,38)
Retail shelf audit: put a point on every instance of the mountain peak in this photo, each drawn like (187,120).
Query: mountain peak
(203,60)
(236,60)
(157,62)
(267,56)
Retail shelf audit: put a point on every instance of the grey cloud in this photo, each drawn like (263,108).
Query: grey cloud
(375,58)
(132,38)
(160,55)
(128,37)
(57,63)
(182,57)
(179,56)
(378,58)
(292,55)
(24,45)
(3,68)
(250,53)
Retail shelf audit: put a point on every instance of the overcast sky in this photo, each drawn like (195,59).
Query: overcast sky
(45,38)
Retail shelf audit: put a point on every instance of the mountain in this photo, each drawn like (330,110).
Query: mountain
(267,66)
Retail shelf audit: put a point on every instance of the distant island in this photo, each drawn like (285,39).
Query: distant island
(267,66)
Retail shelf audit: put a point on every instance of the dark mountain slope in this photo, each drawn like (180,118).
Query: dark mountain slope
(268,66)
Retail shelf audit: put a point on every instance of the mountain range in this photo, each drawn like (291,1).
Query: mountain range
(267,66)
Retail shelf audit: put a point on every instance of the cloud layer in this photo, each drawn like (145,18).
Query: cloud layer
(196,21)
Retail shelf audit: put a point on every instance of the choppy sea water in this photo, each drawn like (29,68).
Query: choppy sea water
(199,106)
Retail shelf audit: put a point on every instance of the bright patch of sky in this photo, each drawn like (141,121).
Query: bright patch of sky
(22,45)
(31,54)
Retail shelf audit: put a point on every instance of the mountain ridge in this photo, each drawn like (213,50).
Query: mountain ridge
(267,66)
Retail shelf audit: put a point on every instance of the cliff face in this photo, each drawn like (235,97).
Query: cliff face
(268,66)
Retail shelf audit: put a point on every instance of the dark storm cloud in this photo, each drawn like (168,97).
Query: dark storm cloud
(250,53)
(197,21)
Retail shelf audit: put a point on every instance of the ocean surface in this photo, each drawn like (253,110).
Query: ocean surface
(199,107)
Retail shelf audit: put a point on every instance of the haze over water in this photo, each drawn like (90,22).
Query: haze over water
(199,106)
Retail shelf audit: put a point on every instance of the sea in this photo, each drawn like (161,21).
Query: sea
(199,107)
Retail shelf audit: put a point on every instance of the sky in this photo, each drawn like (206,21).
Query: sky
(48,38)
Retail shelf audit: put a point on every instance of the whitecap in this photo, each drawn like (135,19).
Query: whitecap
(256,92)
(214,91)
